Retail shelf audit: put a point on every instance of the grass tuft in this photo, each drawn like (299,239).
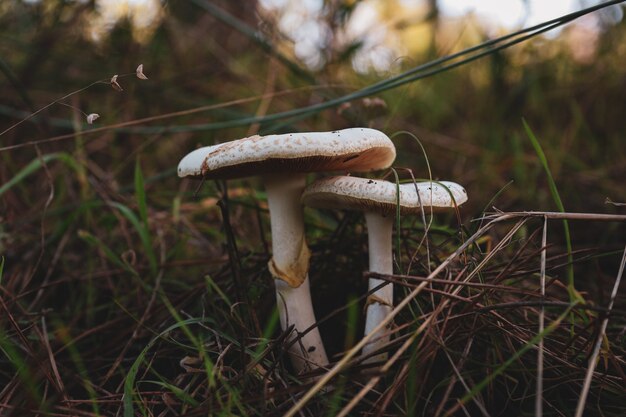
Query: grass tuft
(574,295)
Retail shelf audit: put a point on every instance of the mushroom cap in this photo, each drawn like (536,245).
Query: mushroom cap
(363,194)
(356,149)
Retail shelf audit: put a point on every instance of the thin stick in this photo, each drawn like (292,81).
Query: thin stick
(539,395)
(596,349)
(453,379)
(53,363)
(558,215)
(458,375)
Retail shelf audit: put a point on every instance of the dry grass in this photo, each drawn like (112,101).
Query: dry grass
(126,291)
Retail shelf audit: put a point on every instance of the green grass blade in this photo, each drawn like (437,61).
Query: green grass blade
(140,194)
(183,325)
(268,330)
(352,323)
(129,383)
(179,393)
(74,352)
(234,398)
(111,256)
(144,235)
(419,72)
(12,353)
(35,165)
(557,200)
(143,229)
(412,381)
(398,222)
(208,364)
(212,285)
(255,36)
(495,197)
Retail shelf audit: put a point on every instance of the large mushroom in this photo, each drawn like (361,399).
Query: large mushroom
(378,200)
(283,161)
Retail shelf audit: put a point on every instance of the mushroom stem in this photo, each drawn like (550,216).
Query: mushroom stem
(289,266)
(380,303)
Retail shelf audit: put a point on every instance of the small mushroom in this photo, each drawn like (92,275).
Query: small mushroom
(283,161)
(378,200)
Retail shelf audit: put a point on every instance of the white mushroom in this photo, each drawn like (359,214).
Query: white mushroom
(283,161)
(378,200)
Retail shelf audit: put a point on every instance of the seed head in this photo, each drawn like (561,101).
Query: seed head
(115,84)
(140,73)
(92,117)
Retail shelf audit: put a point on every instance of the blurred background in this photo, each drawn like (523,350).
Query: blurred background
(275,56)
(567,84)
(76,232)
